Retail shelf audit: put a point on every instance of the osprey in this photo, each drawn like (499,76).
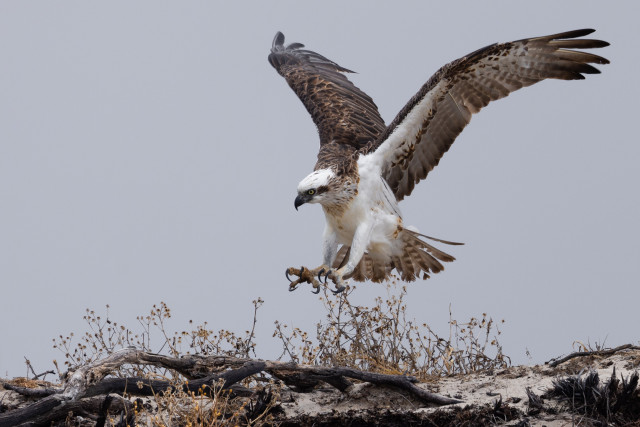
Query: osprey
(365,168)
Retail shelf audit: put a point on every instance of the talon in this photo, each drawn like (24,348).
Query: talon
(339,289)
(294,285)
(325,276)
(305,275)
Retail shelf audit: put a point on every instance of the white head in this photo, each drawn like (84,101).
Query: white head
(314,187)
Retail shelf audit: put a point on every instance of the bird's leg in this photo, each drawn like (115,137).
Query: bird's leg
(305,275)
(356,251)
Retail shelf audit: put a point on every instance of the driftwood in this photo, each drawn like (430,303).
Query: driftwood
(518,395)
(603,353)
(87,390)
(54,408)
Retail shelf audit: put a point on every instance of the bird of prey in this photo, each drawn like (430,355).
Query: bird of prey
(364,168)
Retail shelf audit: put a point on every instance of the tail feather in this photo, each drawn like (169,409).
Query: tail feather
(430,263)
(380,272)
(423,263)
(364,270)
(417,259)
(437,253)
(407,272)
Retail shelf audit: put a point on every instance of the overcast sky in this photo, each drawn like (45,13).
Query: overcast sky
(149,152)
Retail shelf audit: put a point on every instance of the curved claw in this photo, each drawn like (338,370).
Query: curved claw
(320,274)
(338,290)
(326,276)
(316,290)
(293,288)
(286,274)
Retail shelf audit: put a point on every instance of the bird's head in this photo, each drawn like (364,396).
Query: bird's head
(315,188)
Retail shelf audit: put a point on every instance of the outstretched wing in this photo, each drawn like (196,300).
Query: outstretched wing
(343,113)
(426,127)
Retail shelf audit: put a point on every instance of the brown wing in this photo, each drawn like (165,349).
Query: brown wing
(342,112)
(427,126)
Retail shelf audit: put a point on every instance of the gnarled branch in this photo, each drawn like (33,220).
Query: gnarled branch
(608,352)
(86,388)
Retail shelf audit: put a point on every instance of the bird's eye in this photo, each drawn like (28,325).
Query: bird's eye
(311,192)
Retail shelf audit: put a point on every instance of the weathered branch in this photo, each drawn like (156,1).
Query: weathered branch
(555,362)
(55,408)
(330,375)
(86,389)
(139,386)
(31,392)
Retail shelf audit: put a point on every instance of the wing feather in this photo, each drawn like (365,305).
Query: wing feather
(413,144)
(343,114)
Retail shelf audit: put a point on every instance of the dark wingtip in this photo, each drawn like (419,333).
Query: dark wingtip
(601,43)
(278,44)
(278,40)
(574,34)
(583,32)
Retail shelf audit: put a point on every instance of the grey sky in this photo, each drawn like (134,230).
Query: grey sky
(150,153)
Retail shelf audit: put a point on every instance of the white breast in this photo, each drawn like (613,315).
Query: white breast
(374,203)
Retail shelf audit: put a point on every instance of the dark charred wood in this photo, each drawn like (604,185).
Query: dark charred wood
(87,392)
(55,408)
(555,362)
(139,386)
(340,383)
(329,375)
(298,381)
(31,392)
(33,412)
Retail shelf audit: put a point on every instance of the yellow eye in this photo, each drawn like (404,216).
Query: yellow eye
(311,192)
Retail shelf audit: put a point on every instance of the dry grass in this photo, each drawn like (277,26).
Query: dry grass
(382,339)
(209,407)
(377,339)
(105,336)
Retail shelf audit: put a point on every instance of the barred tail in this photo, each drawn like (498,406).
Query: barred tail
(418,259)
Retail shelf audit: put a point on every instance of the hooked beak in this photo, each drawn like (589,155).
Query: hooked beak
(300,200)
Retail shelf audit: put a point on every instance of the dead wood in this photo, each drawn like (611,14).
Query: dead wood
(307,374)
(140,386)
(55,408)
(31,392)
(608,352)
(86,390)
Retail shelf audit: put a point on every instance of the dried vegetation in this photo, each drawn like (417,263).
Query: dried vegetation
(186,374)
(382,339)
